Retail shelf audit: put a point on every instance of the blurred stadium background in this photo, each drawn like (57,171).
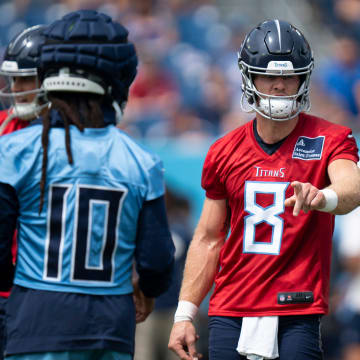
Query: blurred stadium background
(187,94)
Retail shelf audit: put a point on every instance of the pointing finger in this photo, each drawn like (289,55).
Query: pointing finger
(290,201)
(299,197)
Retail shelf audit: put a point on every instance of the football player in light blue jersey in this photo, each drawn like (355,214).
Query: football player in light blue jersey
(18,71)
(87,202)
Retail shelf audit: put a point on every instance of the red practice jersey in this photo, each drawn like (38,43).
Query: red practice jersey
(272,259)
(15,124)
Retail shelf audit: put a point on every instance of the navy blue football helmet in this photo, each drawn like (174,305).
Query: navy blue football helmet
(86,51)
(21,59)
(275,48)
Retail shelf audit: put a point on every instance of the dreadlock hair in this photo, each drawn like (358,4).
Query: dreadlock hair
(82,110)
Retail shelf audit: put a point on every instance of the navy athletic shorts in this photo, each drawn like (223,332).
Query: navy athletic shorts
(73,355)
(2,326)
(299,338)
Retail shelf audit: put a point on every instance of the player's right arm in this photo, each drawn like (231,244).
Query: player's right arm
(200,270)
(8,216)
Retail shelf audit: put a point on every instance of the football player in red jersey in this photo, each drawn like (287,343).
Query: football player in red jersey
(276,183)
(20,95)
(19,70)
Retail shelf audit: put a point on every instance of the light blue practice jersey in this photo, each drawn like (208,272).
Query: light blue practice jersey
(84,239)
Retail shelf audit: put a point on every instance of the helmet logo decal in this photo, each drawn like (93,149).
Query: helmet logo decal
(279,66)
(9,66)
(70,28)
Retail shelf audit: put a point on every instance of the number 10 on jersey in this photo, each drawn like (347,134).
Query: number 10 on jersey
(88,198)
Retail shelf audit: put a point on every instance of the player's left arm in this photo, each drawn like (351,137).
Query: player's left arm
(154,253)
(345,181)
(343,192)
(143,305)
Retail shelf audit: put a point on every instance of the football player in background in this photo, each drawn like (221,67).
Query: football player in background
(277,183)
(19,73)
(88,201)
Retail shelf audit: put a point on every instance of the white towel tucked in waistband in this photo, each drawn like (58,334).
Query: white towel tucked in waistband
(258,338)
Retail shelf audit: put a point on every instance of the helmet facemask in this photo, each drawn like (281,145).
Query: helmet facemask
(275,107)
(25,105)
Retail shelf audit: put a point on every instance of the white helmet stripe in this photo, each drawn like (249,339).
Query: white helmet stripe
(20,36)
(278,30)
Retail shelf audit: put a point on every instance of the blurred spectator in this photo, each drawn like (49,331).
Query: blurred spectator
(153,98)
(227,59)
(73,5)
(17,15)
(193,20)
(234,119)
(347,13)
(215,101)
(191,67)
(348,10)
(117,9)
(324,105)
(187,126)
(340,74)
(151,27)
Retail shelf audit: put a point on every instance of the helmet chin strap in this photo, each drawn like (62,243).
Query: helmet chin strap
(27,111)
(279,108)
(118,111)
(24,111)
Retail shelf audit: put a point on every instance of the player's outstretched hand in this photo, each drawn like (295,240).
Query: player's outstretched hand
(182,341)
(306,197)
(143,305)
